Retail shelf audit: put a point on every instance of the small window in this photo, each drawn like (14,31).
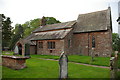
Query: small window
(51,45)
(40,44)
(93,42)
(69,43)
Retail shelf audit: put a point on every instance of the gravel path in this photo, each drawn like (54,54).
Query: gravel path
(79,63)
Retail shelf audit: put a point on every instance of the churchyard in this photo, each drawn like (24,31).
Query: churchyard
(47,66)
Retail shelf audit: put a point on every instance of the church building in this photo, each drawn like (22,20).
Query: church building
(90,34)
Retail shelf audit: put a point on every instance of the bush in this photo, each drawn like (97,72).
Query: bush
(119,60)
(113,54)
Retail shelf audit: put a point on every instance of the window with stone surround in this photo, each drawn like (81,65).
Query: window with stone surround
(69,42)
(93,42)
(40,44)
(51,45)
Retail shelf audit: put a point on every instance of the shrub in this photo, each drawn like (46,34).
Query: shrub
(113,54)
(119,60)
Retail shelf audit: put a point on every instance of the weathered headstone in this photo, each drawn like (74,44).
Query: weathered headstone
(92,54)
(116,54)
(113,68)
(63,63)
(16,50)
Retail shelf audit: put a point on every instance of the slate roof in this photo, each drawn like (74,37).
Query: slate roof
(27,39)
(95,21)
(59,34)
(55,26)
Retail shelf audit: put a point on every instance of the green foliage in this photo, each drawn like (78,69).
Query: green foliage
(119,61)
(51,20)
(31,25)
(18,34)
(6,31)
(116,42)
(24,30)
(113,54)
(118,74)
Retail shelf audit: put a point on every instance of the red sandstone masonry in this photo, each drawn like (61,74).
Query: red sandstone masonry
(14,62)
(83,43)
(59,48)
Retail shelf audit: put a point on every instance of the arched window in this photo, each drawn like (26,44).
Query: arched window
(93,42)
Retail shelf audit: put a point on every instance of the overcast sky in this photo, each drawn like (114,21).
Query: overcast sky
(21,11)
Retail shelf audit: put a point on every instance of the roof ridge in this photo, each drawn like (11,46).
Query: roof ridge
(93,12)
(60,23)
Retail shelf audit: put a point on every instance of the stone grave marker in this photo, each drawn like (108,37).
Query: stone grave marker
(16,50)
(113,67)
(92,54)
(63,63)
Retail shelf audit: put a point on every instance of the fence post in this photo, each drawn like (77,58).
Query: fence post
(63,64)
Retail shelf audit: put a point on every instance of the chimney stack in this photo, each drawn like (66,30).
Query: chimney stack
(43,21)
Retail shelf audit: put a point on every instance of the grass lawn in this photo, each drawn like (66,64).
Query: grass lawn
(101,61)
(0,72)
(38,68)
(7,52)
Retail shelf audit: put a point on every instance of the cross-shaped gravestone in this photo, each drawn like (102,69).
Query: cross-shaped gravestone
(16,50)
(63,62)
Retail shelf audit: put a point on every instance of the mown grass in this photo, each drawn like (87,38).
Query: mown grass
(101,61)
(0,72)
(38,68)
(7,52)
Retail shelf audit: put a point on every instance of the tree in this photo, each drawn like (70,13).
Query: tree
(51,20)
(24,30)
(6,31)
(18,33)
(31,25)
(116,42)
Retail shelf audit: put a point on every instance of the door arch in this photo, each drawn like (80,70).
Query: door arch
(19,49)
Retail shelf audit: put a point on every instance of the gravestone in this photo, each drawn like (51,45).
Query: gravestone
(16,50)
(92,54)
(113,67)
(63,63)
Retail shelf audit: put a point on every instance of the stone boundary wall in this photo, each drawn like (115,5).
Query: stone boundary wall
(14,62)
